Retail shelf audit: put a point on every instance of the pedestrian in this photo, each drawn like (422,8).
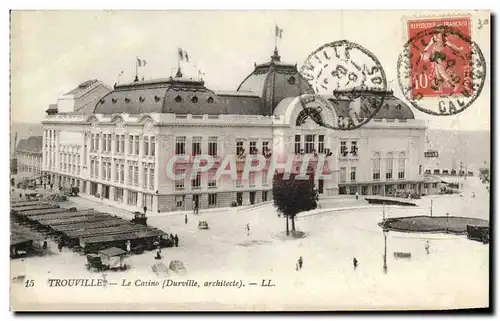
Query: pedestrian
(128,246)
(473,195)
(185,218)
(145,209)
(156,244)
(248,228)
(355,263)
(20,195)
(357,195)
(60,246)
(44,186)
(300,262)
(51,186)
(176,240)
(427,247)
(158,255)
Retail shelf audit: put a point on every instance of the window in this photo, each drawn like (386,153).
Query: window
(109,143)
(103,170)
(343,148)
(253,148)
(96,171)
(108,174)
(364,190)
(152,145)
(122,173)
(179,201)
(117,144)
(130,144)
(434,185)
(251,179)
(212,183)
(390,161)
(145,172)
(119,195)
(146,145)
(212,199)
(122,144)
(132,198)
(180,145)
(196,183)
(297,144)
(401,186)
(239,148)
(354,148)
(117,172)
(130,172)
(376,166)
(375,190)
(264,178)
(151,178)
(264,196)
(92,168)
(342,190)
(352,190)
(104,142)
(342,177)
(426,185)
(136,175)
(401,167)
(309,144)
(239,180)
(321,144)
(136,144)
(353,174)
(265,147)
(212,146)
(179,184)
(96,144)
(196,146)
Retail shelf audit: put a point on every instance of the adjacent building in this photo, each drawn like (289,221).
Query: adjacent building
(29,156)
(120,148)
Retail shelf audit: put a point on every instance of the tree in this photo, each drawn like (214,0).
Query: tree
(292,196)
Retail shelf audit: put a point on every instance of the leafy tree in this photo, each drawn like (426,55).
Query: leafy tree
(292,196)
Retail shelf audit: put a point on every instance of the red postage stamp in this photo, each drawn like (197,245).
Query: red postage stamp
(440,59)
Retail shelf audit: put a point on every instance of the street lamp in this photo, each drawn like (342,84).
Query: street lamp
(447,222)
(385,231)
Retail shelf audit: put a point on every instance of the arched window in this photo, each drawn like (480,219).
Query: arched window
(376,166)
(306,113)
(401,165)
(389,167)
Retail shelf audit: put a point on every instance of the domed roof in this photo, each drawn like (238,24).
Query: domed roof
(174,95)
(274,81)
(392,107)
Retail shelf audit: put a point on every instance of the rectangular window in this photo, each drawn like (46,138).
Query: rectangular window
(426,185)
(122,173)
(130,175)
(309,146)
(401,186)
(151,178)
(401,170)
(239,148)
(103,143)
(364,190)
(265,148)
(212,182)
(434,185)
(179,201)
(212,146)
(146,146)
(298,147)
(196,183)
(109,172)
(264,178)
(180,145)
(130,144)
(376,168)
(354,148)
(96,169)
(212,199)
(137,144)
(253,148)
(152,146)
(342,175)
(117,143)
(321,144)
(196,146)
(122,144)
(343,148)
(109,142)
(375,190)
(179,184)
(136,175)
(389,169)
(145,172)
(353,174)
(117,172)
(103,170)
(251,179)
(264,196)
(342,190)
(352,190)
(91,168)
(132,198)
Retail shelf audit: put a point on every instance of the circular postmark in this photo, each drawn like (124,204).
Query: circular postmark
(351,78)
(441,71)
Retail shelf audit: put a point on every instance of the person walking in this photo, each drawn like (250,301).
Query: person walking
(176,240)
(427,247)
(300,262)
(145,209)
(185,218)
(355,263)
(357,195)
(128,246)
(248,228)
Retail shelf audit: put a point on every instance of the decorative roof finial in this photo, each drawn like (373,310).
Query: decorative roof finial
(275,56)
(179,73)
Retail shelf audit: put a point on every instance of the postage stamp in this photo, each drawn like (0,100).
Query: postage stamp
(348,72)
(441,62)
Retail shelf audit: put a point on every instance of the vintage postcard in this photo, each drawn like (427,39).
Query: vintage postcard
(250,160)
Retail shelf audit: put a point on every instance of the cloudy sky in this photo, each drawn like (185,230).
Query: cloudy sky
(53,51)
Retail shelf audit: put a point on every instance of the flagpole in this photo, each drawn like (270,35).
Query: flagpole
(136,63)
(275,37)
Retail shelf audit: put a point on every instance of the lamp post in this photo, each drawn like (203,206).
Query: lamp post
(385,231)
(447,222)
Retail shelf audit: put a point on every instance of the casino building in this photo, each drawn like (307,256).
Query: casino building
(118,149)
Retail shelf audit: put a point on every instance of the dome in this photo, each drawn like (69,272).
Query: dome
(175,95)
(392,108)
(274,81)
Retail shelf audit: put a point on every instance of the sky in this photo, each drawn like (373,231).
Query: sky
(53,51)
